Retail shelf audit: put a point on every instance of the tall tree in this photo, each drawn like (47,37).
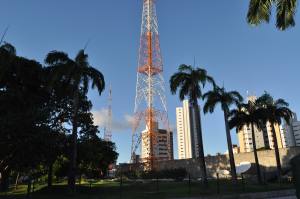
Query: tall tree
(225,99)
(248,114)
(189,81)
(77,73)
(22,112)
(95,155)
(260,11)
(274,111)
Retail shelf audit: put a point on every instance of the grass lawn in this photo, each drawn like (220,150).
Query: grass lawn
(146,190)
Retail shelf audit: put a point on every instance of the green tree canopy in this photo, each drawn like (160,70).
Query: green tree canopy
(261,10)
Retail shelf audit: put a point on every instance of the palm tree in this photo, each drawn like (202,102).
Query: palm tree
(7,56)
(188,81)
(248,114)
(78,74)
(260,11)
(274,111)
(225,99)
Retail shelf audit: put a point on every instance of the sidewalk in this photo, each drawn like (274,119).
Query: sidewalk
(283,194)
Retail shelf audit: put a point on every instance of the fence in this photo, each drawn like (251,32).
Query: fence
(135,188)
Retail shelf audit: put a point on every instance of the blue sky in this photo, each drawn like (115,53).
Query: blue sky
(214,32)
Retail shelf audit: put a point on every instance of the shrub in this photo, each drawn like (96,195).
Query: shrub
(176,174)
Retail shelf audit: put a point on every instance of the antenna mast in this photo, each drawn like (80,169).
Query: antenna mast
(4,34)
(108,128)
(150,101)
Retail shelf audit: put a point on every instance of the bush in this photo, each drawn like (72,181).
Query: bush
(176,174)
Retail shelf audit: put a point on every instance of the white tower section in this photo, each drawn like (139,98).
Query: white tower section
(108,126)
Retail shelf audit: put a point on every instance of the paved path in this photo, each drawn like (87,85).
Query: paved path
(283,194)
(287,197)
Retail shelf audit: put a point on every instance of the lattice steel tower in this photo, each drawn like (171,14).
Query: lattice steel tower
(150,102)
(108,125)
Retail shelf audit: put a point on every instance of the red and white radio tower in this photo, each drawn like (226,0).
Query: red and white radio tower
(108,125)
(150,101)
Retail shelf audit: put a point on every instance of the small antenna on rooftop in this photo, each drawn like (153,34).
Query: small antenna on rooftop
(194,61)
(86,45)
(4,34)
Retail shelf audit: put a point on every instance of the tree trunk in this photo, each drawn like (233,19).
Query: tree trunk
(17,181)
(256,156)
(200,143)
(230,151)
(278,163)
(73,163)
(4,184)
(29,186)
(50,174)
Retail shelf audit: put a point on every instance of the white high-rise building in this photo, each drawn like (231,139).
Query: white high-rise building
(291,132)
(186,132)
(163,146)
(263,137)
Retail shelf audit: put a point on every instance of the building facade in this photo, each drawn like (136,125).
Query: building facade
(291,132)
(263,137)
(187,139)
(162,146)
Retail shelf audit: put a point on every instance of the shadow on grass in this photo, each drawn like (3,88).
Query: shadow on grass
(146,190)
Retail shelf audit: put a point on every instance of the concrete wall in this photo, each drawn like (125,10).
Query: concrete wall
(213,163)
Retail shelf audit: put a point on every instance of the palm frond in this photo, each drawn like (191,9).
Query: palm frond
(265,99)
(183,90)
(188,80)
(85,84)
(201,75)
(97,79)
(281,103)
(259,11)
(9,48)
(286,10)
(210,105)
(284,113)
(56,57)
(82,59)
(237,96)
(177,80)
(211,80)
(185,68)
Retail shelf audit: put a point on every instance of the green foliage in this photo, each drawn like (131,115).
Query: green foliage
(246,114)
(77,75)
(61,167)
(188,81)
(36,112)
(176,174)
(273,110)
(260,11)
(95,155)
(220,96)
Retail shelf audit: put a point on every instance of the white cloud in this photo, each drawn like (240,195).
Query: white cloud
(101,119)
